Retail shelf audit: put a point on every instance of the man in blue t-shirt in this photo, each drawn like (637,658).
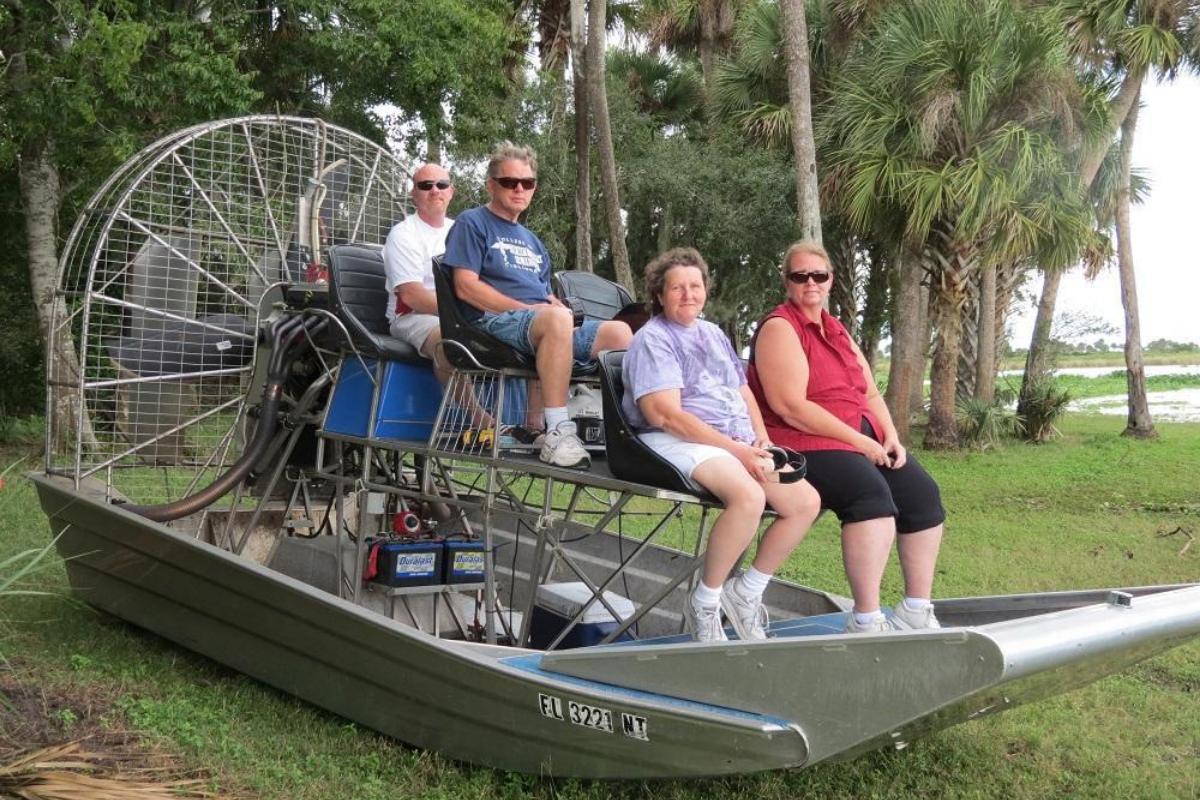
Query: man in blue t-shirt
(502,274)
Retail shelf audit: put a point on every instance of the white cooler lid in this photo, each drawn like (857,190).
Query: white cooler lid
(565,599)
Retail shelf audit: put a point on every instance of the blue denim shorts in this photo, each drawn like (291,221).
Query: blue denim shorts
(512,328)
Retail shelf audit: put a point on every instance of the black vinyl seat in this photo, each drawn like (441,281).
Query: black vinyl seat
(487,350)
(629,458)
(359,297)
(598,298)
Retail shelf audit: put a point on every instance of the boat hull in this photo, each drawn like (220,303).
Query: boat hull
(455,698)
(657,708)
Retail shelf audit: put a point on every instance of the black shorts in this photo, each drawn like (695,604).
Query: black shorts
(857,490)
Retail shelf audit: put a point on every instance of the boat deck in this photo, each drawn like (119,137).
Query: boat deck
(532,665)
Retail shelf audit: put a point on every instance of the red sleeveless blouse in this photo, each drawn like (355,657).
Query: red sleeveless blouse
(835,381)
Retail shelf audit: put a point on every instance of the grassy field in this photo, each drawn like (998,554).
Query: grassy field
(1115,359)
(1090,509)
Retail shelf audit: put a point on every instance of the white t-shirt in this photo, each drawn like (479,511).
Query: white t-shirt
(409,252)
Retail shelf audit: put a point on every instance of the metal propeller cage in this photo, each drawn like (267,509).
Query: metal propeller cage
(162,284)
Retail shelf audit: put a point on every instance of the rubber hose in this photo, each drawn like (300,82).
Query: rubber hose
(283,336)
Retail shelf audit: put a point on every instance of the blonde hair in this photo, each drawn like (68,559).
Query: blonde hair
(808,247)
(507,151)
(656,272)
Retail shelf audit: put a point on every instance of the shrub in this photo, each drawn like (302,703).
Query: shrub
(983,425)
(1044,402)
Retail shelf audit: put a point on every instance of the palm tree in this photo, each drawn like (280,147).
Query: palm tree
(947,117)
(1138,423)
(804,150)
(1123,40)
(666,90)
(703,27)
(598,95)
(583,127)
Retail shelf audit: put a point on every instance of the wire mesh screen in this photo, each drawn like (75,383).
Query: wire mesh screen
(162,284)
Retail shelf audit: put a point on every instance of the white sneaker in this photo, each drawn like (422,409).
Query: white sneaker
(703,622)
(561,448)
(748,617)
(905,618)
(880,624)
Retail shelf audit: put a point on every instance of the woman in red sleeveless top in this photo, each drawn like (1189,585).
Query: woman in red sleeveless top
(818,396)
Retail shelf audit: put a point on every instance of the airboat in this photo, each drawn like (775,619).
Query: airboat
(240,460)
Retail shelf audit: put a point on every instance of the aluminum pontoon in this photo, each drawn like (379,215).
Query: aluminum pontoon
(237,435)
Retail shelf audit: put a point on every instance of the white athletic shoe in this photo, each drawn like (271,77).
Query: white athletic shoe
(880,624)
(561,448)
(748,617)
(703,622)
(905,618)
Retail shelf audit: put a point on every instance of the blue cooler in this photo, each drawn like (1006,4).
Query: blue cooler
(557,603)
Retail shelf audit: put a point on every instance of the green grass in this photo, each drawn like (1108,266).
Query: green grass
(1114,358)
(1115,383)
(1086,510)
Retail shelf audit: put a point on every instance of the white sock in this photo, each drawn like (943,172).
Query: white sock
(916,603)
(864,617)
(705,596)
(555,416)
(754,583)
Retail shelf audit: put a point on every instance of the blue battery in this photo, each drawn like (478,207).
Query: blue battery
(409,563)
(463,562)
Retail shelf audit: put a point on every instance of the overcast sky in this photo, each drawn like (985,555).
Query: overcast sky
(1166,228)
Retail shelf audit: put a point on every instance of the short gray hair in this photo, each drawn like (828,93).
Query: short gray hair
(507,151)
(656,272)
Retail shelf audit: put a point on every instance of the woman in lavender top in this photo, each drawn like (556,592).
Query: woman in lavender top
(686,394)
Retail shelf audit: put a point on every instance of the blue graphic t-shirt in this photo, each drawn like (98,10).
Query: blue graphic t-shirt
(506,256)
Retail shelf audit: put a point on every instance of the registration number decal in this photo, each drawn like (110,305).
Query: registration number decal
(550,706)
(634,726)
(594,717)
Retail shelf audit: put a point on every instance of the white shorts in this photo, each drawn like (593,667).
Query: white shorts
(684,456)
(414,329)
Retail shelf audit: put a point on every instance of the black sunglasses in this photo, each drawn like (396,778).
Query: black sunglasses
(802,277)
(528,184)
(425,186)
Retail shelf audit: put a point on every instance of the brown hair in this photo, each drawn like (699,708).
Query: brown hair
(507,151)
(809,247)
(656,272)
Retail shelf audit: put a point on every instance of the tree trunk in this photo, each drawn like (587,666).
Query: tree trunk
(842,301)
(708,63)
(985,352)
(1037,362)
(553,24)
(906,346)
(954,262)
(1008,277)
(1040,342)
(875,304)
(968,341)
(583,150)
(665,223)
(942,433)
(604,144)
(804,151)
(41,196)
(1139,423)
(924,336)
(434,134)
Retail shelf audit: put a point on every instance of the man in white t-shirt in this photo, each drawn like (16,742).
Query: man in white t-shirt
(408,260)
